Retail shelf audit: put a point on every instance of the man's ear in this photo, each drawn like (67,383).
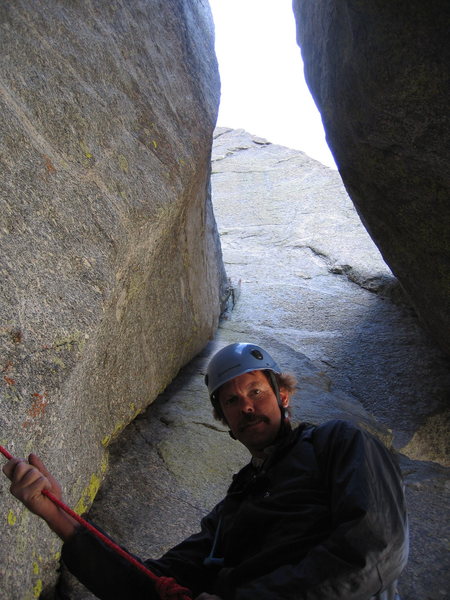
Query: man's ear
(284,397)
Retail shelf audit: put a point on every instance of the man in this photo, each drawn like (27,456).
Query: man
(318,513)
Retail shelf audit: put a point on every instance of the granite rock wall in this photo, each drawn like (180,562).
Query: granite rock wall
(110,267)
(379,74)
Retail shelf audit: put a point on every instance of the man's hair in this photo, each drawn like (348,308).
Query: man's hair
(285,381)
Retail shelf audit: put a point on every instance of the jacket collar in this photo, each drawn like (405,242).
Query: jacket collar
(287,437)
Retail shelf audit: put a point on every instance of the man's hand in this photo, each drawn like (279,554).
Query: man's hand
(28,481)
(205,596)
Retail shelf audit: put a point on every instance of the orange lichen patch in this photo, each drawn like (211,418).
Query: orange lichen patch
(9,380)
(38,406)
(37,409)
(49,165)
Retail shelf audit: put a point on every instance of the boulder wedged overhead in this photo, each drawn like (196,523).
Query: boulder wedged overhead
(111,271)
(379,74)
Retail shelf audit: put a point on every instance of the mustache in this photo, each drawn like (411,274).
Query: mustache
(251,419)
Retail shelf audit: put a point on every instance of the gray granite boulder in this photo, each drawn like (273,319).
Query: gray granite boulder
(111,274)
(379,74)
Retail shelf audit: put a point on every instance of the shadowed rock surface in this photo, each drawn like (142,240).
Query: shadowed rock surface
(379,74)
(309,285)
(110,267)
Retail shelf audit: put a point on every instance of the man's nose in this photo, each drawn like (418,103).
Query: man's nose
(246,404)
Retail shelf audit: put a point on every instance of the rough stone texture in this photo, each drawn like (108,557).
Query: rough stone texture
(379,74)
(301,264)
(291,234)
(110,266)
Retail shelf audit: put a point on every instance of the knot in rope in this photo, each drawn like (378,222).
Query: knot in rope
(169,589)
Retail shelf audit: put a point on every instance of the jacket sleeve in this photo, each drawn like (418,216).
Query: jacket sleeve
(184,562)
(109,576)
(104,572)
(368,544)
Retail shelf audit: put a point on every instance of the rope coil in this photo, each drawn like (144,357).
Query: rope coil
(166,587)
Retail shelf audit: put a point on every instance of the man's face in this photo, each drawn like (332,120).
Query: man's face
(251,410)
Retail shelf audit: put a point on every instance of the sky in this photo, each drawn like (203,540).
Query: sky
(261,71)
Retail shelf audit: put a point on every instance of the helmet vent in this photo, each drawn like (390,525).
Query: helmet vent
(257,354)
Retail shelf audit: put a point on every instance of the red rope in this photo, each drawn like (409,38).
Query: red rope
(166,587)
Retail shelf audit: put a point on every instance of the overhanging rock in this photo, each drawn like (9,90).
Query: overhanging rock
(379,74)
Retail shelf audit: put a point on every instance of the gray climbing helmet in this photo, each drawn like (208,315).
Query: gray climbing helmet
(235,360)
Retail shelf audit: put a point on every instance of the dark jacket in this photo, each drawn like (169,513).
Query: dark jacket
(323,519)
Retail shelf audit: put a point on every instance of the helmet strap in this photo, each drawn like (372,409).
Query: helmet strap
(276,389)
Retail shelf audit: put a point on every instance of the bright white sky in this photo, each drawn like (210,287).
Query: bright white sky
(261,69)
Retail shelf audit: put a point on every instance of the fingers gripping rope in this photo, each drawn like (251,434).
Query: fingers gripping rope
(166,587)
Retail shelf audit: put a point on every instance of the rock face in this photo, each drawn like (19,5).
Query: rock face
(379,74)
(110,267)
(310,286)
